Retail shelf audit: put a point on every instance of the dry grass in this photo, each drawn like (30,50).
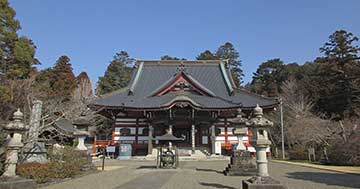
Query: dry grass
(342,169)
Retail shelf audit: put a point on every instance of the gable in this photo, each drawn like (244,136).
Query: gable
(182,83)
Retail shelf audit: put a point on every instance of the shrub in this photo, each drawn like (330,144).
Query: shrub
(347,153)
(64,163)
(298,153)
(40,172)
(67,162)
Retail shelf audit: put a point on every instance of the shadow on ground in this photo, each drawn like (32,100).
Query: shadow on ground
(216,185)
(147,167)
(336,179)
(210,170)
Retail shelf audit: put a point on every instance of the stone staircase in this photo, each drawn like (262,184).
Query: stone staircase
(186,153)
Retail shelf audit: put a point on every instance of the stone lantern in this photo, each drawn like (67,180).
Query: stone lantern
(240,130)
(241,161)
(16,129)
(81,132)
(259,127)
(259,139)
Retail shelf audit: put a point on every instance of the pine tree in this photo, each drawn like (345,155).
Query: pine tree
(167,57)
(268,77)
(207,55)
(16,62)
(229,53)
(338,73)
(16,53)
(117,74)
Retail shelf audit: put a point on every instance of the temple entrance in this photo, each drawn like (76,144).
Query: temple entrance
(183,132)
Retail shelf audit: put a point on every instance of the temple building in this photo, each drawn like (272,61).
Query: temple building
(194,100)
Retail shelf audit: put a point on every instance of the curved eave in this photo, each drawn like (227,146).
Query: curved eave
(159,108)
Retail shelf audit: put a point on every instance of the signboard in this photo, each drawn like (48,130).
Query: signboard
(125,151)
(110,149)
(218,147)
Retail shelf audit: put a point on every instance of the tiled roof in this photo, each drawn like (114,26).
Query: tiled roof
(208,74)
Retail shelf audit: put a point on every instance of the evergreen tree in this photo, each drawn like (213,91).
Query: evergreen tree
(229,53)
(340,48)
(59,81)
(207,55)
(338,75)
(167,57)
(16,53)
(64,80)
(117,74)
(16,62)
(268,77)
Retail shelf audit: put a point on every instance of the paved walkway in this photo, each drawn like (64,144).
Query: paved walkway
(203,174)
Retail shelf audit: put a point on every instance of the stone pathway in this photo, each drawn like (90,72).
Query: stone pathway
(203,174)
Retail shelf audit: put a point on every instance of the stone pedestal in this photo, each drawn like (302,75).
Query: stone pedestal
(81,136)
(240,132)
(81,143)
(241,164)
(261,159)
(11,159)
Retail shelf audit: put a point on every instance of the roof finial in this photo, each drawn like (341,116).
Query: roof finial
(258,111)
(18,115)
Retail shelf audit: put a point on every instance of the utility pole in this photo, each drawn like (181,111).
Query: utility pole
(282,129)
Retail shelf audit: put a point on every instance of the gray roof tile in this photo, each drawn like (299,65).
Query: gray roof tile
(208,75)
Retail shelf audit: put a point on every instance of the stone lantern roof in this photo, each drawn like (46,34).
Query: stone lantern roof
(238,121)
(82,123)
(17,124)
(259,120)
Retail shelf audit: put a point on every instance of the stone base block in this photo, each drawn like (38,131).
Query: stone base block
(262,183)
(241,164)
(17,183)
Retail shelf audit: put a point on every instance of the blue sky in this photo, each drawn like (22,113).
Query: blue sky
(91,32)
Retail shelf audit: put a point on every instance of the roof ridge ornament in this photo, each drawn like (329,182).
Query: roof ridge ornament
(181,68)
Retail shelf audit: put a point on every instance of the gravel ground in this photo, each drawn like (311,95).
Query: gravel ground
(202,174)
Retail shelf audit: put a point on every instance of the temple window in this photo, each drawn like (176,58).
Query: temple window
(125,131)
